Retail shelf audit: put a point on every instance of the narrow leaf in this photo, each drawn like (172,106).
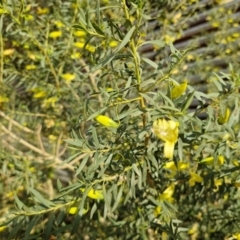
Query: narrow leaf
(126,39)
(150,62)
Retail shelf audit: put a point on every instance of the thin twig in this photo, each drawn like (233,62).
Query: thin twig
(38,132)
(92,77)
(1,58)
(20,140)
(35,149)
(58,144)
(25,129)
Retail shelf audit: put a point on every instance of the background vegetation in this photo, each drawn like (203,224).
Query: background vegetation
(65,172)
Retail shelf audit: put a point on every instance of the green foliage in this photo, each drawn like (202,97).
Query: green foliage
(76,76)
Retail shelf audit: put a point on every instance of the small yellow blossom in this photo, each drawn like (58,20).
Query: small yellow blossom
(177,91)
(75,55)
(68,77)
(50,102)
(215,24)
(52,137)
(236,236)
(79,44)
(224,118)
(26,45)
(30,67)
(31,56)
(3,228)
(89,47)
(106,121)
(168,132)
(210,160)
(217,183)
(41,11)
(2,11)
(236,35)
(8,52)
(4,99)
(59,24)
(79,33)
(94,194)
(55,34)
(172,166)
(109,89)
(165,196)
(194,178)
(113,43)
(28,16)
(235,162)
(49,123)
(75,210)
(194,229)
(38,93)
(167,193)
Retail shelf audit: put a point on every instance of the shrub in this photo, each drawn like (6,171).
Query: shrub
(139,164)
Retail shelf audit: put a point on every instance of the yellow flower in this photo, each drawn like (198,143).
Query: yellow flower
(4,99)
(59,24)
(171,166)
(68,77)
(165,196)
(50,102)
(113,43)
(106,121)
(2,11)
(30,67)
(52,138)
(8,52)
(90,48)
(168,132)
(224,118)
(76,55)
(2,228)
(217,183)
(49,123)
(194,229)
(177,91)
(94,194)
(28,16)
(55,34)
(79,33)
(236,236)
(210,160)
(194,178)
(74,209)
(38,93)
(41,11)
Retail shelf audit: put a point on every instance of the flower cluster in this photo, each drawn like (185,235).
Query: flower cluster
(166,130)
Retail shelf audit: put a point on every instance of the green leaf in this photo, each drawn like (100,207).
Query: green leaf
(98,29)
(83,163)
(49,226)
(180,149)
(93,210)
(41,199)
(34,221)
(118,199)
(189,101)
(159,43)
(150,62)
(126,39)
(15,229)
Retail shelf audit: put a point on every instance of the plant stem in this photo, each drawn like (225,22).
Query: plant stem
(136,59)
